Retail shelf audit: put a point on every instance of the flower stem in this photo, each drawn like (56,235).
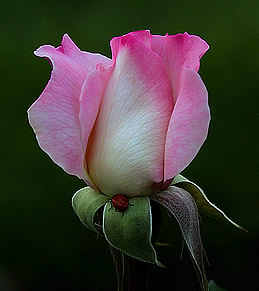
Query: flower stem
(132,274)
(118,259)
(136,274)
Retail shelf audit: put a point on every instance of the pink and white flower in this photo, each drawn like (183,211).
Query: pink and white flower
(128,124)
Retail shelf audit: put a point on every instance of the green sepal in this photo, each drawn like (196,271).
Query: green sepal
(86,203)
(203,203)
(130,231)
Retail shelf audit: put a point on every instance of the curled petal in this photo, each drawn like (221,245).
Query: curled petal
(55,114)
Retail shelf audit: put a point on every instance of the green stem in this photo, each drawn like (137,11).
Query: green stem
(118,259)
(136,274)
(130,272)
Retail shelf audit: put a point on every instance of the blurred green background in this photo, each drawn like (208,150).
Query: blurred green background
(43,245)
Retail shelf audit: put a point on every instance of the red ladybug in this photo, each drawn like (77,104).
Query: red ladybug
(120,202)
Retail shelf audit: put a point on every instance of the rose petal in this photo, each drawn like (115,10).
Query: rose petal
(189,124)
(190,119)
(178,52)
(143,36)
(86,59)
(126,149)
(90,100)
(55,114)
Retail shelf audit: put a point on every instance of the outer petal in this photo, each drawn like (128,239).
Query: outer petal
(126,149)
(85,59)
(55,114)
(190,119)
(178,52)
(189,124)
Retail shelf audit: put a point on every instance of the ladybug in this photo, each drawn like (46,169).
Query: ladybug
(120,202)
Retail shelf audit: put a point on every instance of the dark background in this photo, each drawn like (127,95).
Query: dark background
(43,245)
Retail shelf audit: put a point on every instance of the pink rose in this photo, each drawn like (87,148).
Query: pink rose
(126,125)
